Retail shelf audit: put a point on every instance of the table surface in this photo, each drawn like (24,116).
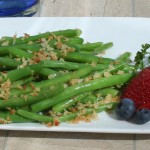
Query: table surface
(21,140)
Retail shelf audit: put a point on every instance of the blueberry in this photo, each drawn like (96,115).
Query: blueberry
(142,116)
(125,109)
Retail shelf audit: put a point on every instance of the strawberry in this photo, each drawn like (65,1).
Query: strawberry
(135,98)
(139,89)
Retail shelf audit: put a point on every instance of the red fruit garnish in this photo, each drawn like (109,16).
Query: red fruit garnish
(139,89)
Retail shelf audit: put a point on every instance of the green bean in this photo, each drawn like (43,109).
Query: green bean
(5,38)
(4,50)
(104,47)
(100,67)
(65,118)
(125,57)
(89,98)
(22,82)
(8,62)
(106,60)
(102,107)
(74,40)
(16,52)
(67,103)
(11,63)
(15,118)
(68,117)
(47,71)
(128,68)
(46,119)
(35,47)
(83,58)
(84,99)
(66,77)
(57,80)
(112,69)
(66,41)
(106,91)
(22,40)
(68,32)
(34,116)
(18,92)
(71,65)
(27,108)
(86,47)
(15,75)
(36,67)
(4,69)
(6,56)
(80,57)
(61,64)
(31,99)
(81,88)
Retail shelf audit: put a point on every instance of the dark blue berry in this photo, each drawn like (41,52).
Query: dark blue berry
(125,109)
(142,116)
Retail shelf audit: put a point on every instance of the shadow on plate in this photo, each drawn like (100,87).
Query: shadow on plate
(112,114)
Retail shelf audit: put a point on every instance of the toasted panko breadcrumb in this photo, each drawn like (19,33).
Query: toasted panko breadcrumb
(74,81)
(107,74)
(35,92)
(4,74)
(102,53)
(44,55)
(73,109)
(45,44)
(25,97)
(85,118)
(6,43)
(87,79)
(61,59)
(49,124)
(26,35)
(50,38)
(17,59)
(59,45)
(1,79)
(14,39)
(66,49)
(109,98)
(56,122)
(120,72)
(5,90)
(93,64)
(65,85)
(51,76)
(110,66)
(12,111)
(20,87)
(24,63)
(97,75)
(53,55)
(3,121)
(30,42)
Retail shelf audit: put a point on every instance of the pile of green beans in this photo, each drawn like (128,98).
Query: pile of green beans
(54,76)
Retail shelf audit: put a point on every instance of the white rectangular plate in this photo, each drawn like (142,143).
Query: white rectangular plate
(127,34)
